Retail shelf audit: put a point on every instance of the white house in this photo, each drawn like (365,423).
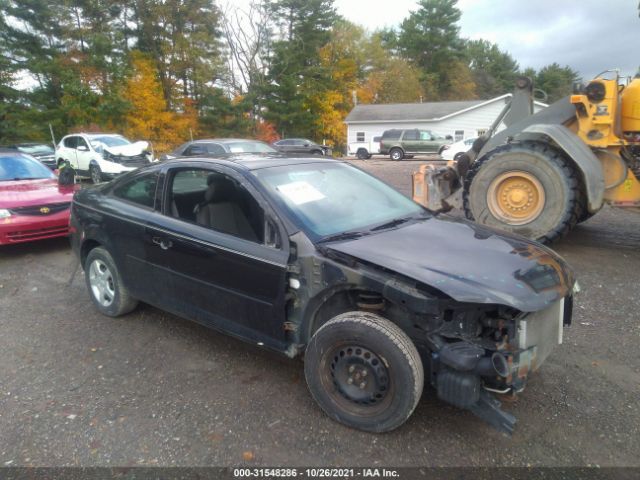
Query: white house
(460,119)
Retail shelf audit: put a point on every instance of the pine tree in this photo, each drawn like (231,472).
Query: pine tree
(430,38)
(296,73)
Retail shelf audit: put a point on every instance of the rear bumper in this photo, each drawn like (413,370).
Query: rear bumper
(19,228)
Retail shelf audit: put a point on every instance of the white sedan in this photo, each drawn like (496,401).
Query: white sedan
(451,151)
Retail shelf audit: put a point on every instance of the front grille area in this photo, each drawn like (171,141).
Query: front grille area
(37,234)
(133,161)
(41,210)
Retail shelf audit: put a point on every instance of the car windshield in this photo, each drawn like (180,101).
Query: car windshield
(36,149)
(21,167)
(330,198)
(108,141)
(250,147)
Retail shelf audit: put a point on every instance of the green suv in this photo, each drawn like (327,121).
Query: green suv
(399,144)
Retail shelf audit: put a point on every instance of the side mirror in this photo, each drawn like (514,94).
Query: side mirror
(306,144)
(82,148)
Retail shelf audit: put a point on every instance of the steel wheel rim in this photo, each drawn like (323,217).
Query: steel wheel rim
(395,155)
(102,283)
(516,197)
(95,176)
(357,379)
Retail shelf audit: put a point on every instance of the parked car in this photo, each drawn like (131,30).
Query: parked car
(32,204)
(453,151)
(218,146)
(41,151)
(365,150)
(313,256)
(300,146)
(399,144)
(102,156)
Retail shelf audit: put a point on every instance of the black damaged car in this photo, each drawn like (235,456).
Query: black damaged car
(314,257)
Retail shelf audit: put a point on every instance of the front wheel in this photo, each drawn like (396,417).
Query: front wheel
(95,173)
(105,285)
(364,371)
(396,154)
(526,188)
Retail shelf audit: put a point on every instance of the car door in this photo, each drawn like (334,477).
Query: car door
(427,142)
(124,210)
(84,155)
(216,277)
(411,141)
(68,151)
(284,146)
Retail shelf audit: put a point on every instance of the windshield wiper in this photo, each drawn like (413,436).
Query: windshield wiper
(392,223)
(343,236)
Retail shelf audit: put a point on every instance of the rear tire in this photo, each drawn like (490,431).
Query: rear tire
(106,289)
(364,371)
(526,188)
(362,154)
(396,154)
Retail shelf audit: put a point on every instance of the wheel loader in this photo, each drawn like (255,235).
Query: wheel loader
(548,171)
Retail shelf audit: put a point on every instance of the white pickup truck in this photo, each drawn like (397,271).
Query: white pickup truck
(364,150)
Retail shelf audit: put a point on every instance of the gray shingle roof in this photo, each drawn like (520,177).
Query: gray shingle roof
(408,111)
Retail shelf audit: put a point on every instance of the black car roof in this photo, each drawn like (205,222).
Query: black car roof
(253,161)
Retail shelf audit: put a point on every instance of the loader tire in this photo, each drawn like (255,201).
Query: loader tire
(526,188)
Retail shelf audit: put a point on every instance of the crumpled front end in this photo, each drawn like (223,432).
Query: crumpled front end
(467,366)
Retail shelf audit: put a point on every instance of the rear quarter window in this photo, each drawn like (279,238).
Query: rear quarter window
(140,190)
(391,135)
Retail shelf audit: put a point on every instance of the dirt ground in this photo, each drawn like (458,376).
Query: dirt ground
(77,388)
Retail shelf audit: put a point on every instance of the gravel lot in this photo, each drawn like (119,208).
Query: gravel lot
(77,388)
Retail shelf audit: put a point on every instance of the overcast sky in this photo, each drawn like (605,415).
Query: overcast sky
(588,35)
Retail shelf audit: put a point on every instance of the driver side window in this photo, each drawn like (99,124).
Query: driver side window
(217,201)
(82,145)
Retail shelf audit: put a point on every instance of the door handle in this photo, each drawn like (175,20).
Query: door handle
(163,242)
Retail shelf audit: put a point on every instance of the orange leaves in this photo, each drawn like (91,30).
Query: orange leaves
(148,117)
(266,132)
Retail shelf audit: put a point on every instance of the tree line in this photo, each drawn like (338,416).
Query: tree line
(165,70)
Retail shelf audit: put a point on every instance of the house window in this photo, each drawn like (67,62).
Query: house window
(458,135)
(359,136)
(482,131)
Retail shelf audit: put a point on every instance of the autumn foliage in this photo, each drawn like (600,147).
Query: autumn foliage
(148,117)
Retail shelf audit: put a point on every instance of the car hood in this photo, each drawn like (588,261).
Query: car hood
(468,262)
(129,150)
(25,193)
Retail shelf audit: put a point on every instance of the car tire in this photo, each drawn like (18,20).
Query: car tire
(529,172)
(316,152)
(364,371)
(362,154)
(396,154)
(105,285)
(458,156)
(95,173)
(369,156)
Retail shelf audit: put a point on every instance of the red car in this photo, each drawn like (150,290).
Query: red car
(32,204)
